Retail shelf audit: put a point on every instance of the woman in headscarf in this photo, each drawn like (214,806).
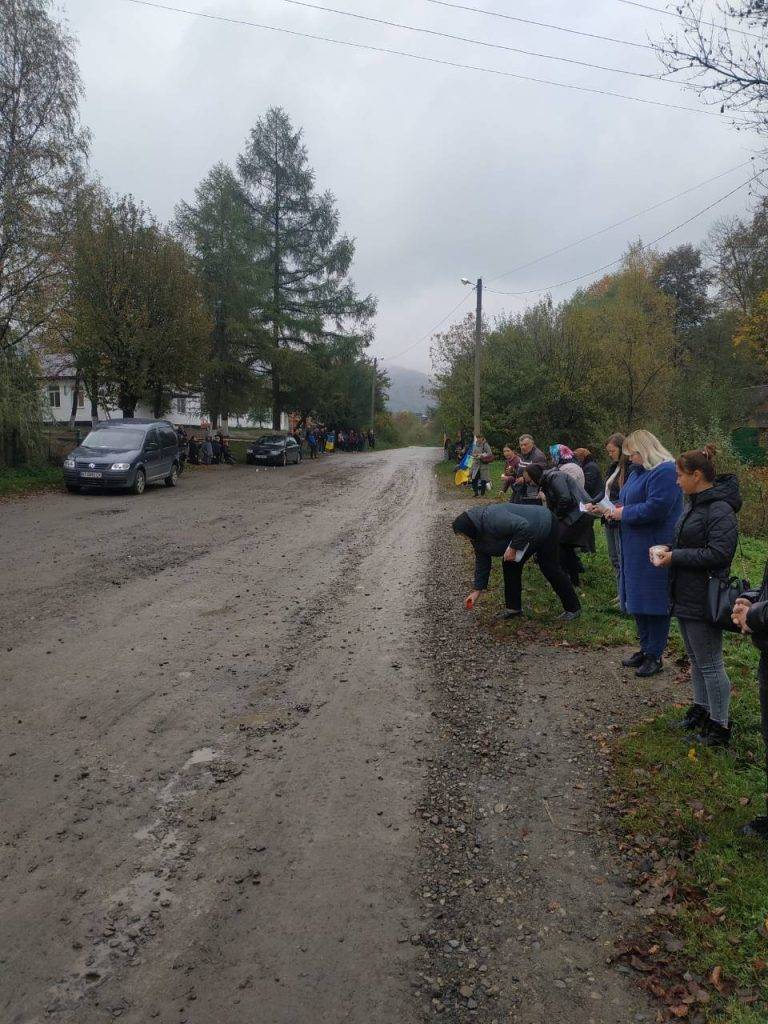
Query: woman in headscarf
(564,459)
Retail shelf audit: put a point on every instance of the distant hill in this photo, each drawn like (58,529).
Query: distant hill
(405,394)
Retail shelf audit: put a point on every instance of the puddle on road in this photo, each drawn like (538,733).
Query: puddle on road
(202,756)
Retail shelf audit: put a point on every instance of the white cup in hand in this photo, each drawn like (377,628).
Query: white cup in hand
(656,552)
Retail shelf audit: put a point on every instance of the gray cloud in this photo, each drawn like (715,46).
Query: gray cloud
(438,172)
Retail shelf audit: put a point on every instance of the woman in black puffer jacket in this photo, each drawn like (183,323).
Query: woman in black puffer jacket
(704,546)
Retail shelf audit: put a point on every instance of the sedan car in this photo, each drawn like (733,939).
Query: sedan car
(124,454)
(273,450)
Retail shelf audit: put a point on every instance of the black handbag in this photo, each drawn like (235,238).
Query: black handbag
(722,592)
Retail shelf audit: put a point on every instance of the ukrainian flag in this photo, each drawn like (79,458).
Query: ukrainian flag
(462,473)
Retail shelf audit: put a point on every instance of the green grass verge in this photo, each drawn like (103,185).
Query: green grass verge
(26,479)
(690,806)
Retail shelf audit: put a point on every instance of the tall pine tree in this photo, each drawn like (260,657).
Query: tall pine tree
(220,231)
(311,298)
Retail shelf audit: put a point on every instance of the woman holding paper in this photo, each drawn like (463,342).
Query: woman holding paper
(617,475)
(650,504)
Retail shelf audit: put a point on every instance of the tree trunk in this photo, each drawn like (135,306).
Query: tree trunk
(94,399)
(127,403)
(75,400)
(158,407)
(277,411)
(276,403)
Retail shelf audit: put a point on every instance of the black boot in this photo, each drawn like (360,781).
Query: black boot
(715,735)
(634,660)
(696,717)
(757,828)
(650,667)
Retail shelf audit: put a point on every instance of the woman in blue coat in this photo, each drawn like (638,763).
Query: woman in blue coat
(650,504)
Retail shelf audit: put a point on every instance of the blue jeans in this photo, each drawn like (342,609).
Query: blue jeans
(653,631)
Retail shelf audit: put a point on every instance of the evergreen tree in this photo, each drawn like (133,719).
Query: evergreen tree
(220,232)
(311,298)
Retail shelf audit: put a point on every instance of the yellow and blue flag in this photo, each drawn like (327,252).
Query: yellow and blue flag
(462,472)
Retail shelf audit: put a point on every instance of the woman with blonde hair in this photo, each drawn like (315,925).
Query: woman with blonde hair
(650,504)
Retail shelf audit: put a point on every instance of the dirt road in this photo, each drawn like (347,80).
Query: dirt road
(251,767)
(212,712)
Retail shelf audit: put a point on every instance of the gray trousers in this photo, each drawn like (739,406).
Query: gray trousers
(711,685)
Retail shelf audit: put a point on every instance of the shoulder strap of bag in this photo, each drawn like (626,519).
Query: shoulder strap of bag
(739,548)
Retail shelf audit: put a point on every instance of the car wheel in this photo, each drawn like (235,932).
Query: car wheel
(73,488)
(140,482)
(173,477)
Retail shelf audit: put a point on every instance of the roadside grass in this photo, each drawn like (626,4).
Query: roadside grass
(26,479)
(685,803)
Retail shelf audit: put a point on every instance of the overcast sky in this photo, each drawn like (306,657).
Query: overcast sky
(438,172)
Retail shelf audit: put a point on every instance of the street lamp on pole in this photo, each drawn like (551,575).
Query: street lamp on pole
(478,347)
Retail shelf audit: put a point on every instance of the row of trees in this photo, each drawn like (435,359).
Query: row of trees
(670,342)
(245,295)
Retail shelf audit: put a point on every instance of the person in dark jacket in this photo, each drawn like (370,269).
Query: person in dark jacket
(594,485)
(516,533)
(564,498)
(530,455)
(650,504)
(704,545)
(750,614)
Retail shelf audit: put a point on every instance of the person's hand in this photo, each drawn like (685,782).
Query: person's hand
(471,599)
(509,555)
(614,513)
(663,560)
(740,612)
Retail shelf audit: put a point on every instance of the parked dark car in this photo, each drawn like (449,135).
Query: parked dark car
(273,450)
(124,454)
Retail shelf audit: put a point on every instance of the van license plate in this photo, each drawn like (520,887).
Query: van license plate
(92,476)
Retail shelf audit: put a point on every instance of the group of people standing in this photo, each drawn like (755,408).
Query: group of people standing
(672,532)
(329,440)
(210,450)
(671,526)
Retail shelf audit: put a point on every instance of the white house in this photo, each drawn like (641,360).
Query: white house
(58,384)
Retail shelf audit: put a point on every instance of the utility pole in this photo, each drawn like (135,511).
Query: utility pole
(478,350)
(373,393)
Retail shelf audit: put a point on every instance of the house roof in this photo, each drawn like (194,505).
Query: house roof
(55,366)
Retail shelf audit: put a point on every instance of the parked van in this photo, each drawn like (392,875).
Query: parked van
(124,454)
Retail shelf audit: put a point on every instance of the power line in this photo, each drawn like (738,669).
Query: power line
(677,14)
(648,245)
(539,24)
(432,330)
(619,223)
(475,42)
(420,57)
